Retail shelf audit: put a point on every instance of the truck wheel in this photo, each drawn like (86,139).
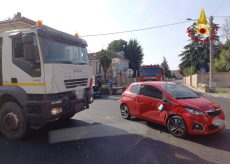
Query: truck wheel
(13,124)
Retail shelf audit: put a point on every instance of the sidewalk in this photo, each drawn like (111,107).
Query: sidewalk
(224,95)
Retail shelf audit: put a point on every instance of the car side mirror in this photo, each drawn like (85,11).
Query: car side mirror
(165,100)
(161,107)
(199,94)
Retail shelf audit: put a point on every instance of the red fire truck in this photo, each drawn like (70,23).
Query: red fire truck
(151,73)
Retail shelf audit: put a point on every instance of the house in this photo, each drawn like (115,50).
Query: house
(177,74)
(17,22)
(118,69)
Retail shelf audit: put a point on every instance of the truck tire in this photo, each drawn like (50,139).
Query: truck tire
(13,124)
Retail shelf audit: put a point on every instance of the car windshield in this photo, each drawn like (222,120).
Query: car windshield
(59,52)
(149,71)
(179,91)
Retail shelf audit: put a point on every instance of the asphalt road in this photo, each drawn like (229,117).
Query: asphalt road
(100,135)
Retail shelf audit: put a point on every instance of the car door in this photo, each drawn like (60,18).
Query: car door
(148,102)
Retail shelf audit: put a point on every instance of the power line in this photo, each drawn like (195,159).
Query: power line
(147,28)
(218,7)
(135,30)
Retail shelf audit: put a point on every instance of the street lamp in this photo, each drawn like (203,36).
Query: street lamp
(189,19)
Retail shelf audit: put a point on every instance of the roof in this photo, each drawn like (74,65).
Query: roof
(23,23)
(95,56)
(12,24)
(22,19)
(150,66)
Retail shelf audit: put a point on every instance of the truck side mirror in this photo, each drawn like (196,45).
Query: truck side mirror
(28,38)
(29,52)
(29,48)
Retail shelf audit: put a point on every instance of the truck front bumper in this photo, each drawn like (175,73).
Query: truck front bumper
(53,107)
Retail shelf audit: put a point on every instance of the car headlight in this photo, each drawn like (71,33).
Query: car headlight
(193,111)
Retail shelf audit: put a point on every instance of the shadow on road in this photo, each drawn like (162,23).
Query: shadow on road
(151,125)
(218,140)
(81,142)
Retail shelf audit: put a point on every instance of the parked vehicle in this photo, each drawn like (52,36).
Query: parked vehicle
(180,109)
(151,73)
(45,76)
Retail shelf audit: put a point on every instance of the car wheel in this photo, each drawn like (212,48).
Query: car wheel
(125,111)
(13,124)
(177,126)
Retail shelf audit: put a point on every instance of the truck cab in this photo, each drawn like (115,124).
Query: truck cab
(151,73)
(45,75)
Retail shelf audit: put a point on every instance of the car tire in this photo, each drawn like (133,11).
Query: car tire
(125,113)
(13,124)
(177,127)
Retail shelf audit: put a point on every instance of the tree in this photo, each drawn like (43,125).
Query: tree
(134,53)
(223,63)
(226,32)
(165,66)
(105,61)
(117,45)
(197,55)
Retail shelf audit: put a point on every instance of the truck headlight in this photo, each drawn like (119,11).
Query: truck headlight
(194,111)
(56,110)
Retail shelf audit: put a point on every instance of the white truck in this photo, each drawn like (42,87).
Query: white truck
(45,75)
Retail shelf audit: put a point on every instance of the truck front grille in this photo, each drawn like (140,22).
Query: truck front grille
(75,83)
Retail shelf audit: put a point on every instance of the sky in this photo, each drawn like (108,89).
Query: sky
(104,16)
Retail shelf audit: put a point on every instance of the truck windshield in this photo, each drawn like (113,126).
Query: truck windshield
(149,71)
(59,52)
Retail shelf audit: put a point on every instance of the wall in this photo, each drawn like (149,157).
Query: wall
(221,79)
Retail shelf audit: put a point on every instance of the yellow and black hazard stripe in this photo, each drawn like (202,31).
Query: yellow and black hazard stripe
(24,84)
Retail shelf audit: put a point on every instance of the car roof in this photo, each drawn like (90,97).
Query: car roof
(154,83)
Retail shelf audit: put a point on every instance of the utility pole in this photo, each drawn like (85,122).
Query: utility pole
(211,54)
(191,71)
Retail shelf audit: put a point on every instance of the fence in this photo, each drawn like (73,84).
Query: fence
(220,79)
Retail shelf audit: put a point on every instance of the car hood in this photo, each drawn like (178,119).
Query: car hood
(200,103)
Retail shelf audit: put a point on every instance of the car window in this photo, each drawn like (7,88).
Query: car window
(179,91)
(134,88)
(151,91)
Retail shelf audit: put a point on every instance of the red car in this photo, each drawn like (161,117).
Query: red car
(180,109)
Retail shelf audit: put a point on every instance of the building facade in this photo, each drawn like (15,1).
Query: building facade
(117,70)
